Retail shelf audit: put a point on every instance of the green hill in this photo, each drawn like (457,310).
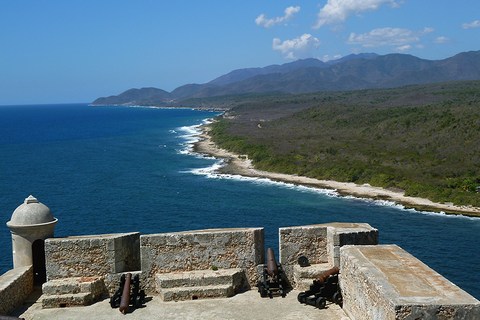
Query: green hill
(423,139)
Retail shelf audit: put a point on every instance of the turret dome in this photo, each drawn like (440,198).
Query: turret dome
(31,212)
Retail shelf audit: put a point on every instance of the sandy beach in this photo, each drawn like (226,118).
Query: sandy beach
(238,164)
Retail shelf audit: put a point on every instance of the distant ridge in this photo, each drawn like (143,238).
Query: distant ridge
(144,96)
(352,72)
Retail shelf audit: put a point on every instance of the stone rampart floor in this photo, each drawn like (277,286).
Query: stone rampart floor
(246,305)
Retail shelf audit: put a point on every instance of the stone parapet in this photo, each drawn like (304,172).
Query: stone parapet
(341,234)
(87,256)
(202,250)
(15,286)
(386,282)
(320,243)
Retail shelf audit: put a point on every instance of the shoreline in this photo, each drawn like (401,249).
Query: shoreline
(240,165)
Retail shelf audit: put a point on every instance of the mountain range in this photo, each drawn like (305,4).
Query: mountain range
(352,72)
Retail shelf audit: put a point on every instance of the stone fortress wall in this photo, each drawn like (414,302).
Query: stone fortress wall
(15,286)
(377,281)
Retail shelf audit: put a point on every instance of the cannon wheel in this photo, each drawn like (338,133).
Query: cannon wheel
(320,303)
(263,291)
(337,298)
(302,297)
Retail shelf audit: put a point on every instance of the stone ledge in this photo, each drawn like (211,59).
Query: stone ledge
(199,278)
(193,293)
(304,276)
(190,285)
(67,300)
(386,282)
(93,285)
(78,291)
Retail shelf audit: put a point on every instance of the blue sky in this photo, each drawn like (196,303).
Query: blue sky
(77,50)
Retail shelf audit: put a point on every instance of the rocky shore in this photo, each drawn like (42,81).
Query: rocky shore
(241,165)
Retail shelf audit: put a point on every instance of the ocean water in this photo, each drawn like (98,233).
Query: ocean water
(119,169)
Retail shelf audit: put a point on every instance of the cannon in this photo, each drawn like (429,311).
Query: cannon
(272,281)
(324,288)
(128,294)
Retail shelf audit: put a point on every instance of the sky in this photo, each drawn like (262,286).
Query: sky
(59,51)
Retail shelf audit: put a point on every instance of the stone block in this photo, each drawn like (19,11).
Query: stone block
(199,284)
(194,293)
(386,282)
(69,292)
(340,234)
(198,278)
(95,255)
(202,250)
(320,243)
(94,285)
(15,286)
(309,241)
(67,300)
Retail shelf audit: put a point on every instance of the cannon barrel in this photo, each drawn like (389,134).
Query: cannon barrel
(272,267)
(328,273)
(125,301)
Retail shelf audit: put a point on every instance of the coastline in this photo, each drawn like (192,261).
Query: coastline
(240,165)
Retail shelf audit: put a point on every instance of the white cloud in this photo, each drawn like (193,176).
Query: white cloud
(471,25)
(262,20)
(441,40)
(401,39)
(328,57)
(405,47)
(296,48)
(336,11)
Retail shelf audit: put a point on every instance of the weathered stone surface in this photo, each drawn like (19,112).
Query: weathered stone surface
(194,293)
(386,282)
(309,241)
(68,292)
(67,300)
(94,285)
(304,276)
(201,250)
(15,286)
(341,234)
(85,256)
(195,278)
(199,284)
(320,243)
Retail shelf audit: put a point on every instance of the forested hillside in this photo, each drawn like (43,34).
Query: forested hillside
(423,139)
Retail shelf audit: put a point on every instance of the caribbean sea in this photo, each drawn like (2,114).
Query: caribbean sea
(122,169)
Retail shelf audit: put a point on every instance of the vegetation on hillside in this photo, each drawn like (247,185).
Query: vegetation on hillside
(422,139)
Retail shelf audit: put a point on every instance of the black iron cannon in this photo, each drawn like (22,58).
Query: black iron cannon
(128,294)
(324,288)
(272,281)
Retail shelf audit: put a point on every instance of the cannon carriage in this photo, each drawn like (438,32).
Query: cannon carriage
(324,289)
(128,294)
(272,281)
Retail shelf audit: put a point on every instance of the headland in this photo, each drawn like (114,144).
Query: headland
(240,165)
